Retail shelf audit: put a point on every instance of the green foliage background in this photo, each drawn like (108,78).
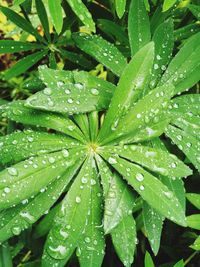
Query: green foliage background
(100,127)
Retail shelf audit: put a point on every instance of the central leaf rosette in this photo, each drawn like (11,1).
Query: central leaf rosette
(100,156)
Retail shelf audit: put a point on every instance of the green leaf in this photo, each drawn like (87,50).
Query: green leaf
(27,178)
(70,97)
(196,245)
(164,43)
(193,221)
(10,46)
(113,30)
(155,193)
(83,123)
(135,76)
(18,2)
(52,60)
(16,111)
(73,214)
(175,185)
(185,142)
(186,31)
(153,222)
(179,264)
(21,22)
(120,6)
(24,64)
(15,220)
(184,69)
(58,78)
(5,255)
(105,174)
(21,145)
(77,59)
(188,104)
(42,14)
(55,10)
(82,13)
(93,124)
(91,248)
(118,203)
(168,4)
(138,26)
(194,199)
(44,226)
(154,159)
(124,240)
(195,10)
(144,120)
(148,262)
(103,51)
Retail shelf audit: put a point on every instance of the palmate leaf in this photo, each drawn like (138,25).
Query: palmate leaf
(16,111)
(193,221)
(24,64)
(164,43)
(91,248)
(119,200)
(113,30)
(103,51)
(148,262)
(55,10)
(83,13)
(149,187)
(120,6)
(70,97)
(138,26)
(10,46)
(42,14)
(124,240)
(134,78)
(183,70)
(21,145)
(153,223)
(189,144)
(195,9)
(71,218)
(18,182)
(153,159)
(194,199)
(15,220)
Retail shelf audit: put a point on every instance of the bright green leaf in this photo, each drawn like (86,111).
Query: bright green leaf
(103,51)
(138,26)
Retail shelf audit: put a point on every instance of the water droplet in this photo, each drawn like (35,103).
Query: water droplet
(78,199)
(12,171)
(52,159)
(173,165)
(141,187)
(87,240)
(67,91)
(139,177)
(94,91)
(16,230)
(6,190)
(112,160)
(65,153)
(84,180)
(70,100)
(47,91)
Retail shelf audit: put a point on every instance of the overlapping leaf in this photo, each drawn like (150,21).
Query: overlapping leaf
(15,220)
(103,51)
(87,94)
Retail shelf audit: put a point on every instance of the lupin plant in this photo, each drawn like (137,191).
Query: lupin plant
(91,153)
